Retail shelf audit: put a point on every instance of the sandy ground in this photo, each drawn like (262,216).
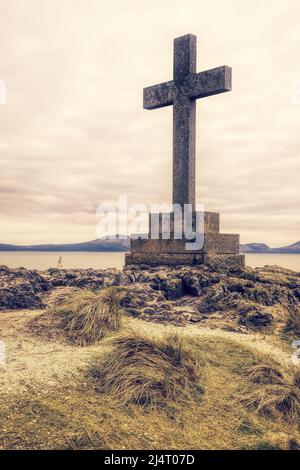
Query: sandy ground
(36,364)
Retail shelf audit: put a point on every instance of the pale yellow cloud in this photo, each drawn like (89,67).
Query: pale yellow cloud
(73,131)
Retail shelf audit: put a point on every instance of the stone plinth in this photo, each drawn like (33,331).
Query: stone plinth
(236,261)
(210,222)
(214,243)
(168,247)
(164,259)
(216,246)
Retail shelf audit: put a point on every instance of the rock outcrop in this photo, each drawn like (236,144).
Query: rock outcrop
(231,298)
(21,288)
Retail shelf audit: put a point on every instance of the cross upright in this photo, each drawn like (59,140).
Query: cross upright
(182,92)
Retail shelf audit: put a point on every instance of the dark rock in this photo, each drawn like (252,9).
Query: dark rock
(21,288)
(168,295)
(258,319)
(71,276)
(171,286)
(139,297)
(236,286)
(195,283)
(296,294)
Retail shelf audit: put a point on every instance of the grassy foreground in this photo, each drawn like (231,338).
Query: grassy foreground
(75,414)
(83,375)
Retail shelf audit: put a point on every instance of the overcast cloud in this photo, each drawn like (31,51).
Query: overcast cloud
(74,133)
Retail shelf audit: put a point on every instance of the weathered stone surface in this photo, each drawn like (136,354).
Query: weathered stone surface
(256,319)
(211,222)
(21,288)
(196,85)
(231,262)
(214,243)
(85,278)
(163,259)
(226,296)
(186,87)
(158,96)
(236,262)
(210,82)
(172,287)
(159,223)
(221,243)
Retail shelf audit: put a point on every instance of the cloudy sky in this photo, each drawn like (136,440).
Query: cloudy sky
(74,133)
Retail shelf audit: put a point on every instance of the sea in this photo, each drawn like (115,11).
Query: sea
(103,260)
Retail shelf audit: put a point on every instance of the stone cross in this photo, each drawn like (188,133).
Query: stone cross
(182,92)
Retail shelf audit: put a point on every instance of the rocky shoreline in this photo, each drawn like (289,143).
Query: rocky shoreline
(230,297)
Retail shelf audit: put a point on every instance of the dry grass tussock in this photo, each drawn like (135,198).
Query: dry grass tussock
(149,371)
(83,319)
(137,370)
(271,392)
(292,325)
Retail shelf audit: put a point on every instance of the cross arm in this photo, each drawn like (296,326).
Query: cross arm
(157,96)
(210,82)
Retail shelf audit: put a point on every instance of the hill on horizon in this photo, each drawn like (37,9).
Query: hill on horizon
(263,248)
(123,245)
(118,244)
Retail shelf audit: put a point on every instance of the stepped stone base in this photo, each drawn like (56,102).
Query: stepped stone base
(162,259)
(209,221)
(212,247)
(215,243)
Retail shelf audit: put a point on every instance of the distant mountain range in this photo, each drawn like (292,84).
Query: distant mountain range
(118,244)
(263,248)
(122,244)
